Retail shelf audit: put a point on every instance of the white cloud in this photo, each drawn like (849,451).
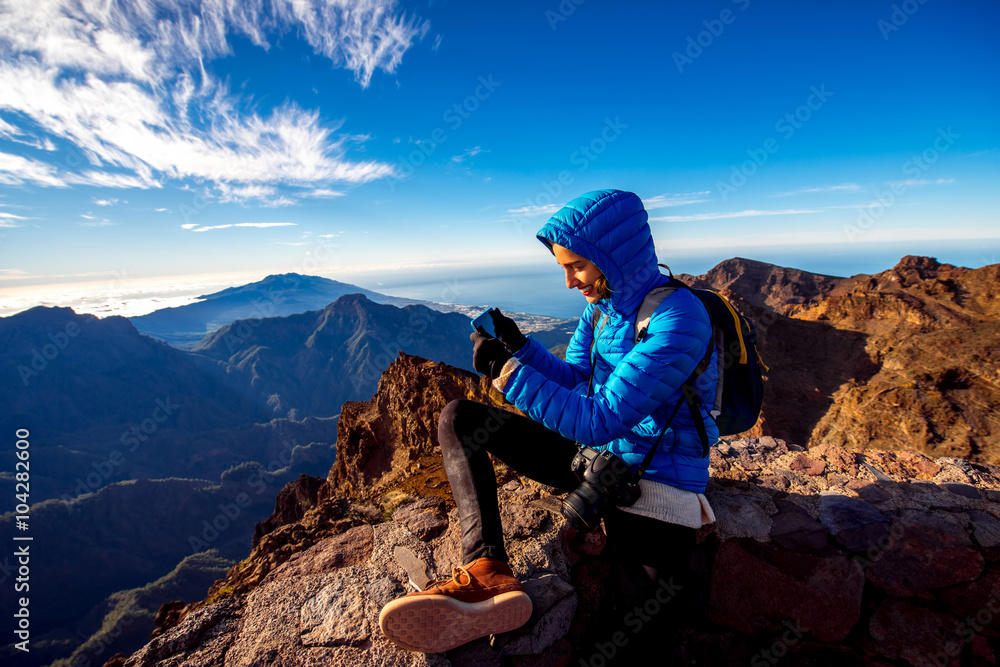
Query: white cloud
(126,84)
(258,225)
(110,201)
(323,193)
(469,152)
(535,210)
(919,182)
(7,130)
(662,201)
(843,187)
(731,214)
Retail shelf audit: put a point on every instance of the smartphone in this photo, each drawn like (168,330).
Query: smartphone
(484,324)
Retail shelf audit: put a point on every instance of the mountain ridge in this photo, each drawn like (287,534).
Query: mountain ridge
(873,556)
(276,295)
(842,353)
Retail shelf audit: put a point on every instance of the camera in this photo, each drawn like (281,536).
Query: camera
(605,480)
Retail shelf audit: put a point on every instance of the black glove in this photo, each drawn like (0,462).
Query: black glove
(507,331)
(489,355)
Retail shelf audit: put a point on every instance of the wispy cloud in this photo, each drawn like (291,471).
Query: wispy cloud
(12,273)
(469,152)
(663,201)
(534,210)
(751,213)
(125,83)
(194,227)
(843,187)
(323,193)
(919,182)
(110,201)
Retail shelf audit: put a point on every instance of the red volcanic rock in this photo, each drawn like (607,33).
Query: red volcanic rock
(807,465)
(349,548)
(291,504)
(425,517)
(378,441)
(914,633)
(759,587)
(977,602)
(925,551)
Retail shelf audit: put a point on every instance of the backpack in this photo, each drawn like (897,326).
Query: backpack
(740,389)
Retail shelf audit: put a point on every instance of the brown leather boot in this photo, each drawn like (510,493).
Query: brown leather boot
(480,599)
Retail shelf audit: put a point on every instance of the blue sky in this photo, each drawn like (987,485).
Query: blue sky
(157,148)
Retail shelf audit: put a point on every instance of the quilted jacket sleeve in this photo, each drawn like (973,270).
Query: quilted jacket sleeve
(648,377)
(576,367)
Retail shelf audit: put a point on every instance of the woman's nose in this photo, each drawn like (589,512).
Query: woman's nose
(571,280)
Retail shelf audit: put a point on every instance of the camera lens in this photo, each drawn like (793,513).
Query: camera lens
(583,507)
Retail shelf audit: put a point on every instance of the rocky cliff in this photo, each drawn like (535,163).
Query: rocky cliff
(826,556)
(908,358)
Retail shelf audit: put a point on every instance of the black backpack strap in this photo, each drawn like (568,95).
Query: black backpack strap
(593,343)
(691,399)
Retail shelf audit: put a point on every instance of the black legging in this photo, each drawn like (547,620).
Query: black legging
(649,556)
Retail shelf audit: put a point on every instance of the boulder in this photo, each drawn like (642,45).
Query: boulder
(925,551)
(760,587)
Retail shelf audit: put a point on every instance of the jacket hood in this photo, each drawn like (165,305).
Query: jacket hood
(609,228)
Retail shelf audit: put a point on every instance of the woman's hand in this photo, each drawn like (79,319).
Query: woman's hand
(489,355)
(507,331)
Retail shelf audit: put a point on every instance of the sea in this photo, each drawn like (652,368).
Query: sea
(542,290)
(537,289)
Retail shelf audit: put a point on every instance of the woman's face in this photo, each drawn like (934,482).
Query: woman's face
(580,273)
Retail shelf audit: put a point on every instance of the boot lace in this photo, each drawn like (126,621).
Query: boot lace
(457,574)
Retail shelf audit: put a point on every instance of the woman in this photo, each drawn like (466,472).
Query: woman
(621,400)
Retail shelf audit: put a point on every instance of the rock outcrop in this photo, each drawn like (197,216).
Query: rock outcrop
(905,359)
(827,556)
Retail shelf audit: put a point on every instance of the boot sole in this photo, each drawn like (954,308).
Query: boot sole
(438,623)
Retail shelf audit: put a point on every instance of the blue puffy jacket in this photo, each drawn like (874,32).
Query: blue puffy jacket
(635,385)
